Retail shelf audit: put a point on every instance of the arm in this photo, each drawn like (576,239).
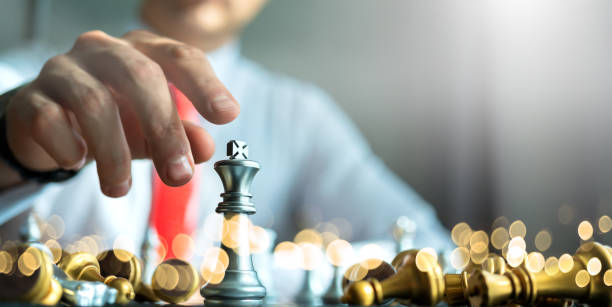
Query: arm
(343,178)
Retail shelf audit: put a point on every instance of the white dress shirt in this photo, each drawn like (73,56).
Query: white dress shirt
(315,167)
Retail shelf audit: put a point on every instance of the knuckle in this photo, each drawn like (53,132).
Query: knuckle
(184,52)
(54,62)
(90,37)
(43,117)
(144,69)
(93,100)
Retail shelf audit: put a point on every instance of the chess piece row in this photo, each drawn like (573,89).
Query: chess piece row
(419,280)
(29,274)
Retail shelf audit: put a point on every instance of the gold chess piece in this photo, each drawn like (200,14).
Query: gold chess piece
(27,276)
(122,263)
(419,280)
(521,286)
(84,266)
(175,281)
(456,285)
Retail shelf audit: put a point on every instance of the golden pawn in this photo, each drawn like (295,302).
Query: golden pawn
(122,263)
(419,280)
(175,281)
(84,266)
(521,286)
(26,275)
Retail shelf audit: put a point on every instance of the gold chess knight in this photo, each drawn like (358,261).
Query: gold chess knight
(240,286)
(419,280)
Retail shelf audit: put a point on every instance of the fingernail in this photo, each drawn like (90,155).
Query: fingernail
(78,165)
(179,169)
(223,103)
(119,189)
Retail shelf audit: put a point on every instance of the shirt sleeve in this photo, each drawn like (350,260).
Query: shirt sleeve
(17,67)
(342,178)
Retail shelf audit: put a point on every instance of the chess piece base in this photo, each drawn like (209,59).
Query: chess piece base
(232,303)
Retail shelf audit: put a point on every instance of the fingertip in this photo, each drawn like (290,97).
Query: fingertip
(117,190)
(202,144)
(224,109)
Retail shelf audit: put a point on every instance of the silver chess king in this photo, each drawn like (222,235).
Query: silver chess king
(240,286)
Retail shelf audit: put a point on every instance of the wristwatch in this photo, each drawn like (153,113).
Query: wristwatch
(9,158)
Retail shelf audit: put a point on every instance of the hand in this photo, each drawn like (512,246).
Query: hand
(107,99)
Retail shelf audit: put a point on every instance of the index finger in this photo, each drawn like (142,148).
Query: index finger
(187,67)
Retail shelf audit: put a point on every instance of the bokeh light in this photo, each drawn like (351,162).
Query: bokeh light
(28,262)
(345,230)
(582,278)
(585,230)
(425,260)
(370,256)
(535,262)
(566,263)
(183,246)
(500,222)
(605,224)
(607,278)
(259,240)
(479,242)
(312,256)
(232,231)
(56,250)
(551,267)
(460,258)
(543,240)
(6,262)
(339,252)
(499,237)
(309,236)
(123,242)
(517,229)
(515,256)
(461,234)
(355,272)
(166,276)
(594,266)
(54,227)
(288,255)
(328,237)
(214,264)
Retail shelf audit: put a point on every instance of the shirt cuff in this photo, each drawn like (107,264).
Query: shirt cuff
(17,200)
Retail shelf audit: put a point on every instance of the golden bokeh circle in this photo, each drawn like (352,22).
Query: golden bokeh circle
(566,263)
(543,240)
(309,236)
(479,242)
(425,261)
(605,224)
(607,278)
(460,258)
(339,252)
(535,262)
(517,229)
(551,267)
(585,230)
(594,266)
(461,233)
(499,237)
(582,278)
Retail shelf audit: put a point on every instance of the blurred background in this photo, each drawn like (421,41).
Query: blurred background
(486,108)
